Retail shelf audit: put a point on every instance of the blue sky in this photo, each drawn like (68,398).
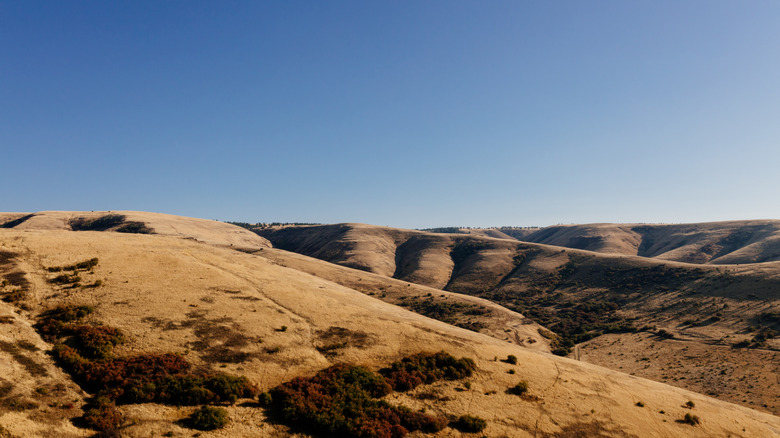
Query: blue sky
(409,114)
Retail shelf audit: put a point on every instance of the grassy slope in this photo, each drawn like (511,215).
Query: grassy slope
(172,294)
(733,242)
(578,294)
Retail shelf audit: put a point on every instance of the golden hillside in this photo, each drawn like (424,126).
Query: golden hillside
(581,295)
(230,311)
(732,242)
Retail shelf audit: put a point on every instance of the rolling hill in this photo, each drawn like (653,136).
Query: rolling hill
(221,309)
(581,295)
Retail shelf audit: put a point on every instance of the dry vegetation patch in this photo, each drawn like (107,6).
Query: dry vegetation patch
(344,400)
(86,352)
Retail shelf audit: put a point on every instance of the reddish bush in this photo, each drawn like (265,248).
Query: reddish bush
(102,414)
(97,341)
(342,401)
(421,368)
(55,323)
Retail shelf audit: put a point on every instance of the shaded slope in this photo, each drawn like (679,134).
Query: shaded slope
(175,295)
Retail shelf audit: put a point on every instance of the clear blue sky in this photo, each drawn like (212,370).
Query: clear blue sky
(410,114)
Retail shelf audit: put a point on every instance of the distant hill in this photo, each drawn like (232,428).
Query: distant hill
(577,294)
(734,242)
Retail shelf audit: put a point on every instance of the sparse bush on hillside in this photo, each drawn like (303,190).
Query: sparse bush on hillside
(65,279)
(208,418)
(135,227)
(19,285)
(101,223)
(511,359)
(520,389)
(86,265)
(693,420)
(469,424)
(118,222)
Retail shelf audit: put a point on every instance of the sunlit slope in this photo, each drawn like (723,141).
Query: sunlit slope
(466,311)
(733,242)
(581,294)
(207,231)
(511,272)
(230,311)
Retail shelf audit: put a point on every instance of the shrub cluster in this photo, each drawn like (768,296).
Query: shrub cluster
(135,227)
(693,420)
(86,265)
(86,352)
(56,322)
(422,368)
(101,223)
(97,341)
(101,414)
(116,222)
(66,279)
(343,401)
(158,378)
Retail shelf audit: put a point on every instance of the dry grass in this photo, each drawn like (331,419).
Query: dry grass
(153,292)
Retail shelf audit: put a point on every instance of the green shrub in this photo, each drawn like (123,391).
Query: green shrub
(511,359)
(208,418)
(469,424)
(693,420)
(264,399)
(519,389)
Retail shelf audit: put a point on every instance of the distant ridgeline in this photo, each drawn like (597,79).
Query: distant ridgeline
(249,226)
(460,230)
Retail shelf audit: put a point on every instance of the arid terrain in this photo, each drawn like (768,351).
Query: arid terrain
(89,295)
(582,294)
